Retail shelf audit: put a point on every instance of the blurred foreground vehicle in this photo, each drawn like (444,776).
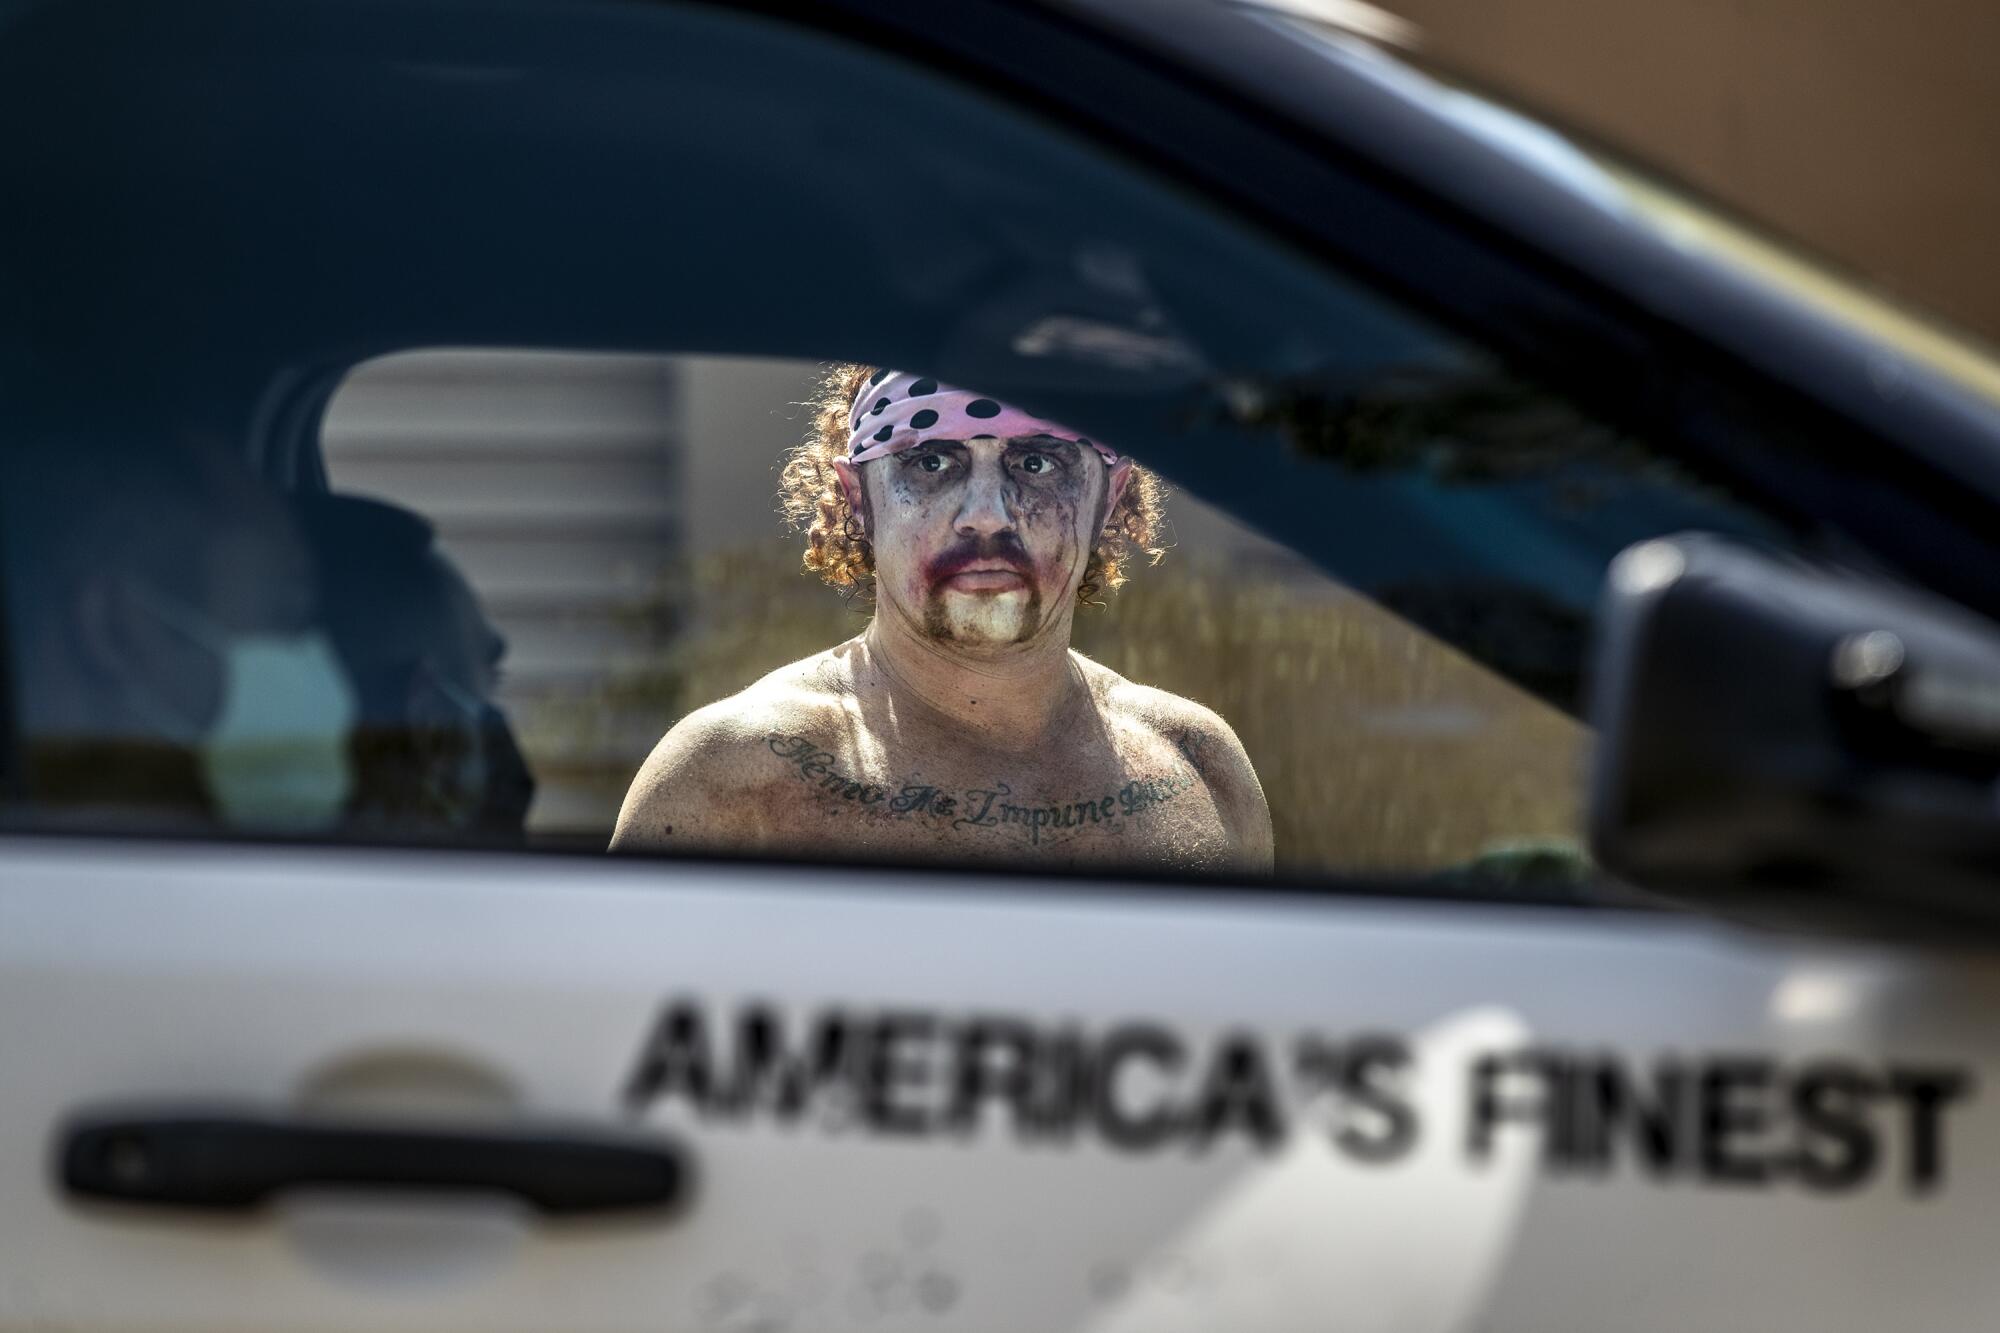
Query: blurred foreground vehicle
(391,396)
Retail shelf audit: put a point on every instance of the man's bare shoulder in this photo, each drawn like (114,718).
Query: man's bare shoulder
(693,789)
(1173,716)
(1204,739)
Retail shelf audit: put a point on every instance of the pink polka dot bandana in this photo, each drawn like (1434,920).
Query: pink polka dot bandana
(894,411)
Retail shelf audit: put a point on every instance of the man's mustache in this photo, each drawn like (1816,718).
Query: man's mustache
(999,549)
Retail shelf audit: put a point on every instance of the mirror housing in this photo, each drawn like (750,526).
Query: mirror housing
(1795,744)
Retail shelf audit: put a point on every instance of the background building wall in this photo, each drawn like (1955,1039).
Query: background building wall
(1866,130)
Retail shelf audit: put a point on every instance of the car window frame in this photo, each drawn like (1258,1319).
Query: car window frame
(1457,249)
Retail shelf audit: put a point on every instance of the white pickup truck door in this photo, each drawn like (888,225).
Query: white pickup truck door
(984,1104)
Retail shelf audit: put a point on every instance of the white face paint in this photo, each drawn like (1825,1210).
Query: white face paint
(981,543)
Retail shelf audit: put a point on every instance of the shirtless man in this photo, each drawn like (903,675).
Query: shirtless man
(960,725)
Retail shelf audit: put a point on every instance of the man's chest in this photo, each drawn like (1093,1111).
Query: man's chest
(1135,801)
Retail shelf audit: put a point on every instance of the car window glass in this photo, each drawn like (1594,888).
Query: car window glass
(457,588)
(614,516)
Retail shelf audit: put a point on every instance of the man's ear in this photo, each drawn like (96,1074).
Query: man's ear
(122,647)
(95,613)
(1114,488)
(851,486)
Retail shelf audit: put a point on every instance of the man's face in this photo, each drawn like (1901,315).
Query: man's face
(981,543)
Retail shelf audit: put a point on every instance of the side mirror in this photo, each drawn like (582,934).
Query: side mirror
(1795,744)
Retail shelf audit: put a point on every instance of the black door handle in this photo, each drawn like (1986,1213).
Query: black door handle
(230,1161)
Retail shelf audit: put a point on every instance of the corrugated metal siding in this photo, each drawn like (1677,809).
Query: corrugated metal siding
(553,479)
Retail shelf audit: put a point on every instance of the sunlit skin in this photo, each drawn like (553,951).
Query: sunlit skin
(960,724)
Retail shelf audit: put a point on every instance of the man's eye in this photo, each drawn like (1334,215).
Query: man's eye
(1036,464)
(931,462)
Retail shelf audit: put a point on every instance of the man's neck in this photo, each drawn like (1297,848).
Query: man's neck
(1011,700)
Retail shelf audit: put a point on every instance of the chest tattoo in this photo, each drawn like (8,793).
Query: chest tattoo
(993,807)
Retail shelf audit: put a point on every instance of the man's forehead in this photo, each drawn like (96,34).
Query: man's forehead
(1038,441)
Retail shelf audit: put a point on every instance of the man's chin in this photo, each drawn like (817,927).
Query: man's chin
(983,619)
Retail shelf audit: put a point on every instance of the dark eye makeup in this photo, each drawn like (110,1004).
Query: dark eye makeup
(1042,457)
(1038,458)
(921,457)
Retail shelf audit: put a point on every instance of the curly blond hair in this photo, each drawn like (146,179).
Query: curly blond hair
(812,501)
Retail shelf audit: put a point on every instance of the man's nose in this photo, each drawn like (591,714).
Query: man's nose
(986,510)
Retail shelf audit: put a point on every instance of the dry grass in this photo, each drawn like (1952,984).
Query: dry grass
(1379,748)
